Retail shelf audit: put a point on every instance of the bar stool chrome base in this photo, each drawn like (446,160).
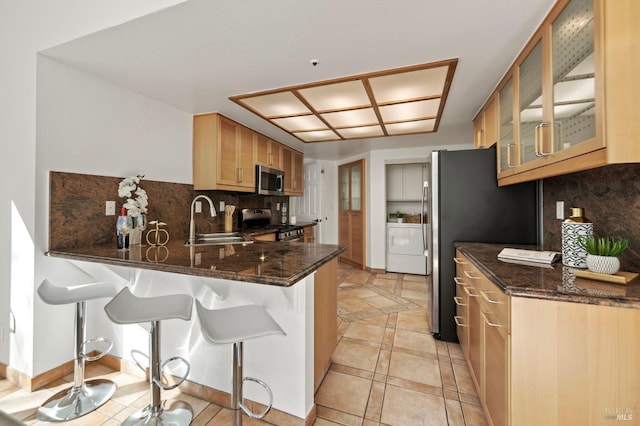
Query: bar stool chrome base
(171,412)
(73,402)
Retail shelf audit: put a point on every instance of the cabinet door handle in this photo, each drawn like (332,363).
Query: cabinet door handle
(460,261)
(485,296)
(489,323)
(458,301)
(538,139)
(470,276)
(510,164)
(466,289)
(459,281)
(458,320)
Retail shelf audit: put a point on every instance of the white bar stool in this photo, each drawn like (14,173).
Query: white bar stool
(235,325)
(84,396)
(126,308)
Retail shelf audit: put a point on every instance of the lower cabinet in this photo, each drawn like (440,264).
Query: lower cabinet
(325,335)
(484,337)
(308,234)
(547,362)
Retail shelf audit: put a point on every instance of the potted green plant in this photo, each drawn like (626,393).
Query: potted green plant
(602,253)
(399,216)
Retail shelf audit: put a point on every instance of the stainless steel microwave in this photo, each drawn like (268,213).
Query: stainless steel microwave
(269,181)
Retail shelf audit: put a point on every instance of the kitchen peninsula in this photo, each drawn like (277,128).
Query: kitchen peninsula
(296,282)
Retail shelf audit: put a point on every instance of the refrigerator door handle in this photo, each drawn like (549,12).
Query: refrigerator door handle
(425,186)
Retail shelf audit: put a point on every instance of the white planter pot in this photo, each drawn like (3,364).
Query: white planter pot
(603,264)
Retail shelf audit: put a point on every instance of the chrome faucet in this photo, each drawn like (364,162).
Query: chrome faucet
(192,225)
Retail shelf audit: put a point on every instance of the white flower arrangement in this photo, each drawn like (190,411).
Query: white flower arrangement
(138,205)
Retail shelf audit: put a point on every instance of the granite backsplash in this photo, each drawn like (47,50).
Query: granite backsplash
(611,198)
(77,208)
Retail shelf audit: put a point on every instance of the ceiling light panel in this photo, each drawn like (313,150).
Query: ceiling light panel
(361,132)
(300,123)
(420,126)
(394,102)
(409,85)
(410,110)
(317,136)
(351,118)
(277,105)
(339,96)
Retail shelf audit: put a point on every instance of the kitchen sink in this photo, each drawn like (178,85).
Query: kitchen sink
(221,238)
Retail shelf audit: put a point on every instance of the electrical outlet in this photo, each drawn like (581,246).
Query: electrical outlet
(110,208)
(198,206)
(278,206)
(221,206)
(560,210)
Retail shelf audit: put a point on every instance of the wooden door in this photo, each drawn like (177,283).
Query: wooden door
(351,215)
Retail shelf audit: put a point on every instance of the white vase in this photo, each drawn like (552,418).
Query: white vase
(603,264)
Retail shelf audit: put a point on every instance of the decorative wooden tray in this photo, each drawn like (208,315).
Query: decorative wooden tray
(620,277)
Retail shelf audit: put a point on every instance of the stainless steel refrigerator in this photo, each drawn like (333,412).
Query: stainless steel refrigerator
(468,206)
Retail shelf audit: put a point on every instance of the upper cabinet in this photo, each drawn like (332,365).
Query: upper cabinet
(292,164)
(225,155)
(268,152)
(485,125)
(405,182)
(568,102)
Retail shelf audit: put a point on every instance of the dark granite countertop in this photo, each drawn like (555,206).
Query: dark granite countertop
(273,263)
(557,283)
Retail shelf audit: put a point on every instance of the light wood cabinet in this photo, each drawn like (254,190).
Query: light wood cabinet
(293,166)
(351,213)
(271,236)
(568,101)
(268,152)
(485,125)
(223,154)
(308,234)
(405,181)
(546,362)
(325,336)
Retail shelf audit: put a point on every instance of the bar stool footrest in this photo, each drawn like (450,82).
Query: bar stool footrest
(83,352)
(159,383)
(268,389)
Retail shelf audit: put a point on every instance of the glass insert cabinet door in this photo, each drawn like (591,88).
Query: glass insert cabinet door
(573,70)
(530,103)
(506,141)
(350,184)
(344,189)
(356,196)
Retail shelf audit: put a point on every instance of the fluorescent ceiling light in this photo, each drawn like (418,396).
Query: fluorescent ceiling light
(394,102)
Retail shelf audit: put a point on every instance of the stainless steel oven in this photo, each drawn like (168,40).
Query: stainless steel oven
(269,181)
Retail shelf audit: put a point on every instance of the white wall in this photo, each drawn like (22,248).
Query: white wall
(27,27)
(110,131)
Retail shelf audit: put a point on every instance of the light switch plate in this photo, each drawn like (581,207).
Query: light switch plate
(198,206)
(560,210)
(110,208)
(221,206)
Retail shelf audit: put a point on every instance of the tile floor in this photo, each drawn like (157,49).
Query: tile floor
(387,368)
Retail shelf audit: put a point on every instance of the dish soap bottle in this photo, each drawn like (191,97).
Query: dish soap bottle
(124,225)
(574,227)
